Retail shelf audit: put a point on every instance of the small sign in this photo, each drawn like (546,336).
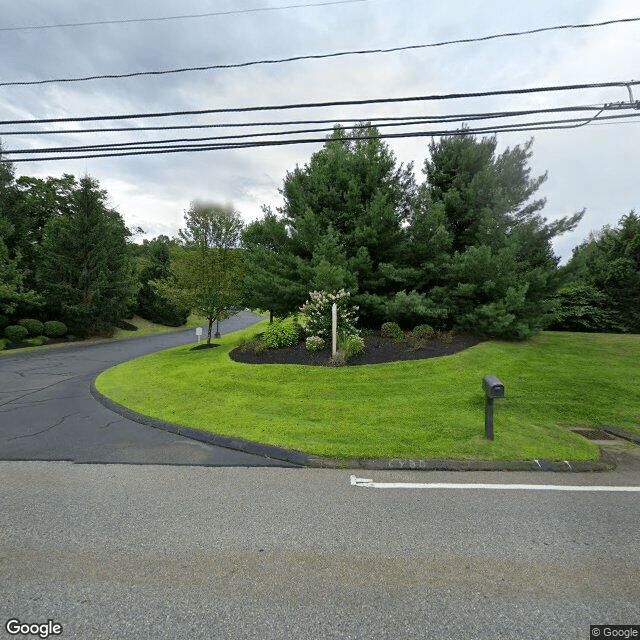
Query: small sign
(198,331)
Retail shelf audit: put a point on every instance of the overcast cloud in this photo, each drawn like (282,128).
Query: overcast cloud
(593,167)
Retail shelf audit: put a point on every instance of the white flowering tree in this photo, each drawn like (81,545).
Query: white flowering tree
(317,311)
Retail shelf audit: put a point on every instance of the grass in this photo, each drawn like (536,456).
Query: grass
(145,328)
(418,409)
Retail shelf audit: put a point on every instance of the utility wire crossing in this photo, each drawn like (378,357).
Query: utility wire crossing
(238,65)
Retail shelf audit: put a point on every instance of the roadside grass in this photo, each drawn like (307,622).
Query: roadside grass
(145,328)
(412,409)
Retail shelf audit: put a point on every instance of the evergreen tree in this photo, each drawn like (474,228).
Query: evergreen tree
(480,251)
(352,194)
(272,280)
(84,266)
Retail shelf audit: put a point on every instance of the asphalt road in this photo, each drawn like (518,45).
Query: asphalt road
(48,413)
(126,551)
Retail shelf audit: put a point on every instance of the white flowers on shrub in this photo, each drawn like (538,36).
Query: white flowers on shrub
(318,313)
(314,343)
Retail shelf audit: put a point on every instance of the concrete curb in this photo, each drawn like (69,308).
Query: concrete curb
(621,433)
(303,460)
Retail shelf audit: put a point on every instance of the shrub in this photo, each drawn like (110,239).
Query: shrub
(54,329)
(423,331)
(16,333)
(34,327)
(419,337)
(38,341)
(317,311)
(391,330)
(281,334)
(255,344)
(446,337)
(314,343)
(4,321)
(352,346)
(3,343)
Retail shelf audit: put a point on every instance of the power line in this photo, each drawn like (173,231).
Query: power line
(320,56)
(366,125)
(115,151)
(181,17)
(335,103)
(374,120)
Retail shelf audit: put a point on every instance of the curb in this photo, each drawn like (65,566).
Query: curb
(621,433)
(607,463)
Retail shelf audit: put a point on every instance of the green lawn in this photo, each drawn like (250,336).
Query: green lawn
(417,409)
(145,328)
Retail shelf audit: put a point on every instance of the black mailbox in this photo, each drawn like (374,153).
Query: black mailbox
(493,387)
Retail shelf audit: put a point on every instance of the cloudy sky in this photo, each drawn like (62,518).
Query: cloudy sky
(593,166)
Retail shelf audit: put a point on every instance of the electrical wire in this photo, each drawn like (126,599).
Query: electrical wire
(321,56)
(375,121)
(367,125)
(160,148)
(335,103)
(181,17)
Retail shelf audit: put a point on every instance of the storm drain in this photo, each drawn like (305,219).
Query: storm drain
(594,434)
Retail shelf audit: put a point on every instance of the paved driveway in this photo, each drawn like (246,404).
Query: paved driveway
(48,413)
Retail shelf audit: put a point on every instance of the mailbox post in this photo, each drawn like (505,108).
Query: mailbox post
(493,388)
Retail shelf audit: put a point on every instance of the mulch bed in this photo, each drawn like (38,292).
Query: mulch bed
(377,350)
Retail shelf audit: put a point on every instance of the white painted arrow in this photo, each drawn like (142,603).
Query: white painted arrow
(366,482)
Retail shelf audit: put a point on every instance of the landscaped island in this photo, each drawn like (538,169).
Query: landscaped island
(427,408)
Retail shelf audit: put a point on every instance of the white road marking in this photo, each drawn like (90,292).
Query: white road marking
(365,482)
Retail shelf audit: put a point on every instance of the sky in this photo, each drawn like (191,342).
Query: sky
(592,167)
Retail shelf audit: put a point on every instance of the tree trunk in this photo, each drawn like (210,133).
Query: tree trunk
(209,334)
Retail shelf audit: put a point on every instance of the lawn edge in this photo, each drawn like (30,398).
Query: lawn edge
(302,459)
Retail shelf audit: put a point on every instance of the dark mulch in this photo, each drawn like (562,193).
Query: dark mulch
(377,350)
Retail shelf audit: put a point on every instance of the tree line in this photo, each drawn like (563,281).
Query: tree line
(467,248)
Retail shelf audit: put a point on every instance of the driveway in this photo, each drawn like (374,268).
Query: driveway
(48,413)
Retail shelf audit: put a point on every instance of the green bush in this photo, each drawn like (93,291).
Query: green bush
(3,344)
(281,333)
(16,333)
(392,330)
(255,344)
(4,321)
(423,331)
(37,341)
(34,327)
(420,336)
(54,329)
(314,343)
(317,311)
(352,346)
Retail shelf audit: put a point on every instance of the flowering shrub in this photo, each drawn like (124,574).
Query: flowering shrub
(314,343)
(317,311)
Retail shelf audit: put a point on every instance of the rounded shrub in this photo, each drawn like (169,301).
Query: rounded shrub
(392,330)
(314,343)
(423,331)
(54,329)
(281,334)
(34,327)
(16,333)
